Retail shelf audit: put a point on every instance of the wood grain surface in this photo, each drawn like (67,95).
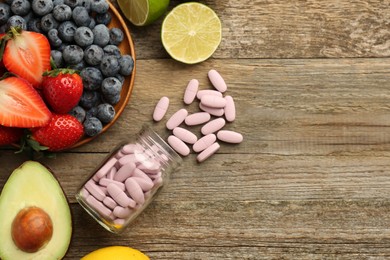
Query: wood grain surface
(311,178)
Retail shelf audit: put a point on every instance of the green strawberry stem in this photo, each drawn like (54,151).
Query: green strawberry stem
(55,72)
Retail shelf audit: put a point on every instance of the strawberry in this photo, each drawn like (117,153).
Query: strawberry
(26,54)
(61,133)
(21,105)
(9,135)
(62,89)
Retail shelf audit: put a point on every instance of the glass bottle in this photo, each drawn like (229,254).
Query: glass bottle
(127,180)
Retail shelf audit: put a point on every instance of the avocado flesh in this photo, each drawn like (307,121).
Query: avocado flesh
(32,184)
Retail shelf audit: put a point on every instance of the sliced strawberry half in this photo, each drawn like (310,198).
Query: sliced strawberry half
(26,54)
(21,105)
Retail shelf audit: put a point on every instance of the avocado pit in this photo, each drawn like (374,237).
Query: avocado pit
(31,229)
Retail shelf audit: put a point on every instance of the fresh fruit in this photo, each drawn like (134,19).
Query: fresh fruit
(115,253)
(35,218)
(62,89)
(191,32)
(61,133)
(143,12)
(10,135)
(21,105)
(26,54)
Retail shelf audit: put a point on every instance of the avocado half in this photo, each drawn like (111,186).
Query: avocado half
(35,218)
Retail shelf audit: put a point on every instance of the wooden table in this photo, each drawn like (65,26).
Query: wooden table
(311,179)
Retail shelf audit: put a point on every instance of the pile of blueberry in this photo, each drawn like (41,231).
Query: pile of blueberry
(80,39)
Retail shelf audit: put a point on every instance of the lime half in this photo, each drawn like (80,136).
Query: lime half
(191,32)
(143,12)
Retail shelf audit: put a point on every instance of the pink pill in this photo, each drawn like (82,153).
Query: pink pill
(155,176)
(206,153)
(120,196)
(204,142)
(153,167)
(177,118)
(161,109)
(124,172)
(111,173)
(217,81)
(84,193)
(135,191)
(122,212)
(229,136)
(197,118)
(119,155)
(139,173)
(185,135)
(129,148)
(129,158)
(203,92)
(212,110)
(191,90)
(105,168)
(178,145)
(94,190)
(119,222)
(99,206)
(109,202)
(230,109)
(213,126)
(145,184)
(213,101)
(105,182)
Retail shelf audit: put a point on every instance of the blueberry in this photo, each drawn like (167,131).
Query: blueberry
(93,55)
(92,112)
(92,126)
(42,7)
(116,36)
(92,78)
(16,21)
(54,40)
(48,22)
(21,7)
(89,99)
(79,113)
(110,65)
(72,54)
(5,13)
(3,28)
(111,86)
(120,77)
(62,47)
(78,66)
(71,3)
(57,58)
(34,25)
(86,4)
(62,12)
(99,6)
(83,36)
(105,113)
(112,50)
(113,100)
(28,17)
(81,16)
(126,64)
(66,31)
(104,18)
(92,24)
(102,35)
(57,2)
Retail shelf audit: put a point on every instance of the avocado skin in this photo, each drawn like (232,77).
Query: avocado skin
(33,184)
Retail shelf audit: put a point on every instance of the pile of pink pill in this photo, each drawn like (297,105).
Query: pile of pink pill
(216,110)
(120,187)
